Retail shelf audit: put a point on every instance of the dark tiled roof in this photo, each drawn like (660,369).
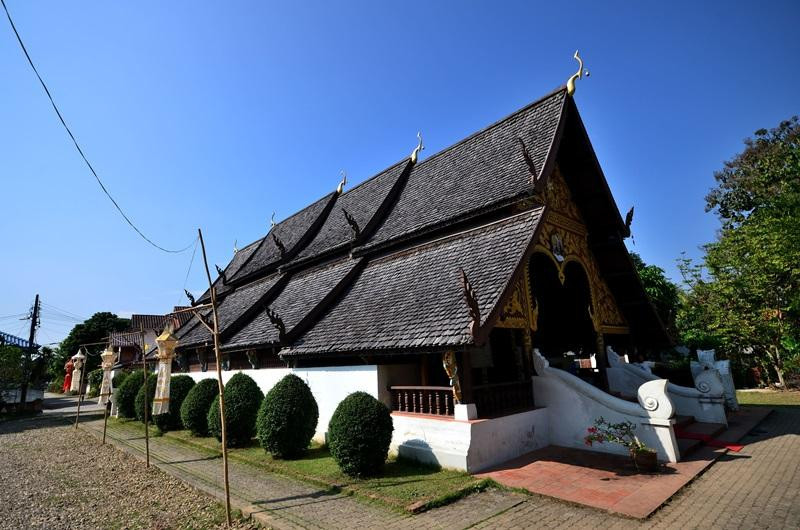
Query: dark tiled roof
(125,338)
(290,232)
(302,294)
(148,322)
(414,298)
(482,170)
(232,308)
(361,203)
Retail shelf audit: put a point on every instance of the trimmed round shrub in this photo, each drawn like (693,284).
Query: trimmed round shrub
(194,410)
(119,377)
(125,395)
(287,418)
(242,399)
(152,379)
(359,434)
(179,387)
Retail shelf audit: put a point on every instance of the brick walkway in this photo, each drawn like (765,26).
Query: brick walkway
(611,482)
(757,488)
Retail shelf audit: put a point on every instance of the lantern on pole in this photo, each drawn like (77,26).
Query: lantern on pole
(107,362)
(77,372)
(166,342)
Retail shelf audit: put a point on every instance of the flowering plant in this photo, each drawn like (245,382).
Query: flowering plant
(620,433)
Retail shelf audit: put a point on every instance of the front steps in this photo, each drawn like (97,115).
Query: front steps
(689,425)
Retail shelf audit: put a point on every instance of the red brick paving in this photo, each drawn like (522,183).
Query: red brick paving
(610,482)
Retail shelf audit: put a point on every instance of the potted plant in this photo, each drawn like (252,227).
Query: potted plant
(644,458)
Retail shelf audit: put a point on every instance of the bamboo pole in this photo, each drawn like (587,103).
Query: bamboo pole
(215,333)
(80,387)
(146,417)
(105,420)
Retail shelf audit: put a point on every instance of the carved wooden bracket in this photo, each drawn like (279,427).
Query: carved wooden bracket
(529,161)
(190,297)
(279,244)
(221,275)
(353,224)
(277,322)
(472,304)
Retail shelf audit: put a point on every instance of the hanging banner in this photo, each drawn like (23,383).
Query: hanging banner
(166,343)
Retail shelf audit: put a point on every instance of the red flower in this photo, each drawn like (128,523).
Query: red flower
(592,429)
(588,442)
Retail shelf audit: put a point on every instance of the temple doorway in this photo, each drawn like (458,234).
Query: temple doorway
(564,323)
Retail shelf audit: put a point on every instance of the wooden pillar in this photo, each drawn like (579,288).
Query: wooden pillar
(465,371)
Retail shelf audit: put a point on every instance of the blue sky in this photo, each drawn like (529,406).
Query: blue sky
(212,115)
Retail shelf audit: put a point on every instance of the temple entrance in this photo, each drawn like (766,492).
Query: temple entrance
(564,323)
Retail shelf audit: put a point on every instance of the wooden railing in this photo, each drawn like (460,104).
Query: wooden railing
(500,399)
(434,400)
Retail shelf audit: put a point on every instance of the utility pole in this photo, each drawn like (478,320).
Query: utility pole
(26,367)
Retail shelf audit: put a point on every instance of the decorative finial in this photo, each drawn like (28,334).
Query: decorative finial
(272,221)
(472,304)
(417,149)
(577,75)
(221,274)
(353,224)
(235,248)
(340,188)
(628,222)
(190,297)
(277,322)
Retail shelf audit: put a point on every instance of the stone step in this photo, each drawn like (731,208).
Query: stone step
(686,446)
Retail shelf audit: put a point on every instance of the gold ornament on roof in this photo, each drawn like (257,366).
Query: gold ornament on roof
(417,149)
(577,75)
(342,183)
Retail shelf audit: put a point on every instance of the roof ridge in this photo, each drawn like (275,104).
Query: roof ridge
(494,124)
(459,234)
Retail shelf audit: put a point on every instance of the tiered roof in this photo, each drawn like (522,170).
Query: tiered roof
(377,269)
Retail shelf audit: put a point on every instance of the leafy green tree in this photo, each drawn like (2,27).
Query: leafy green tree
(95,329)
(744,298)
(11,372)
(662,291)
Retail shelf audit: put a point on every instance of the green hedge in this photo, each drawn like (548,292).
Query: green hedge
(194,410)
(140,402)
(359,434)
(242,399)
(287,418)
(179,387)
(125,395)
(119,377)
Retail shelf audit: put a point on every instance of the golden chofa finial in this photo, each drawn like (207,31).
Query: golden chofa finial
(340,187)
(417,149)
(577,75)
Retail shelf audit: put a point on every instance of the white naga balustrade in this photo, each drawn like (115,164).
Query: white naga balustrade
(704,403)
(707,362)
(573,405)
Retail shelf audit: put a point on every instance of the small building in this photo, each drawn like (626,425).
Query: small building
(433,284)
(143,332)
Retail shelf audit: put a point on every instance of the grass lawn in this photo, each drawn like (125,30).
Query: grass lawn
(404,484)
(769,397)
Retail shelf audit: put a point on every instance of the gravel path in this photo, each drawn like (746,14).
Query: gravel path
(55,477)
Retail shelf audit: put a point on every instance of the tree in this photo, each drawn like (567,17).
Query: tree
(11,374)
(744,298)
(662,292)
(95,329)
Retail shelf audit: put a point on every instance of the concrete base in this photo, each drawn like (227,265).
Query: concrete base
(466,412)
(469,445)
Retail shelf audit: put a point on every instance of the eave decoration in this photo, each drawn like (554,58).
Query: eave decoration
(472,305)
(451,368)
(563,238)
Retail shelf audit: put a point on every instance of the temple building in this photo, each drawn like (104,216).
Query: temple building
(446,287)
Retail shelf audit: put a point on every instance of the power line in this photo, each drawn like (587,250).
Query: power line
(77,146)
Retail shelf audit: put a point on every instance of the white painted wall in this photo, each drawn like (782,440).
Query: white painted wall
(330,385)
(469,445)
